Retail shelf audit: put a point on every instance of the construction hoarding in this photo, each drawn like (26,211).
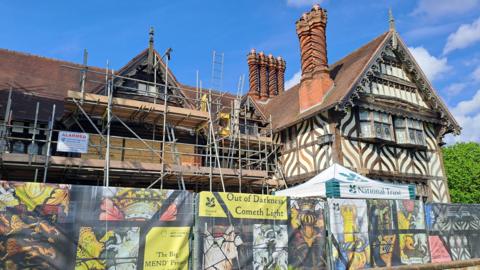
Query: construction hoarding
(55,226)
(251,231)
(377,233)
(454,231)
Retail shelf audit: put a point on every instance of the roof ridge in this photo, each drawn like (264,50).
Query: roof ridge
(43,57)
(358,49)
(347,55)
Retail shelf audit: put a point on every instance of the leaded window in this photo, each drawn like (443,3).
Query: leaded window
(409,131)
(375,124)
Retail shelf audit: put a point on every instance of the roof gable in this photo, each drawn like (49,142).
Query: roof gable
(149,66)
(394,44)
(350,75)
(284,108)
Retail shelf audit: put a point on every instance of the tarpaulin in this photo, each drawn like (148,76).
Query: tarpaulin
(55,226)
(251,231)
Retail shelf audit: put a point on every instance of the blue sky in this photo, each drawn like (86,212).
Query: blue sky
(444,36)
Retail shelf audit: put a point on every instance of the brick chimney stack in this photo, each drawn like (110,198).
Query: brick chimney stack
(266,75)
(252,60)
(316,80)
(272,76)
(281,65)
(263,76)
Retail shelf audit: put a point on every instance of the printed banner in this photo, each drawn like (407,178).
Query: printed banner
(377,233)
(349,228)
(53,226)
(454,230)
(250,231)
(367,190)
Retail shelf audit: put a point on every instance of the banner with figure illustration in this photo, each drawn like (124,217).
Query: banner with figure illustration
(454,231)
(252,231)
(377,233)
(55,226)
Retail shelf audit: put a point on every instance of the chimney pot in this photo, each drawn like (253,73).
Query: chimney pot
(263,76)
(266,75)
(316,81)
(253,76)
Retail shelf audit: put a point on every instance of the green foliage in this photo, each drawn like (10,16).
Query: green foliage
(462,164)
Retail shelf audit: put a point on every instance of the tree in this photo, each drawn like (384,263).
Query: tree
(462,165)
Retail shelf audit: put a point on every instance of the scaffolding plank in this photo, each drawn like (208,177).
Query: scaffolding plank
(123,108)
(138,166)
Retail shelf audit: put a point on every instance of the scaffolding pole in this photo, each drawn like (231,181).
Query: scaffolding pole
(49,144)
(84,74)
(32,144)
(215,145)
(4,130)
(165,102)
(106,179)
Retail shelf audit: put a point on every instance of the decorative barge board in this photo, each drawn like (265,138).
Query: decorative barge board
(374,111)
(394,122)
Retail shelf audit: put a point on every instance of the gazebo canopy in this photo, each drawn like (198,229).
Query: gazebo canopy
(340,182)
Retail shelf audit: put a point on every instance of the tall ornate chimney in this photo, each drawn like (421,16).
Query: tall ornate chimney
(253,76)
(263,62)
(316,79)
(281,66)
(272,76)
(266,75)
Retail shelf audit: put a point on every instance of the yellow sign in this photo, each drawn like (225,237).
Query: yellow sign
(209,206)
(250,206)
(167,248)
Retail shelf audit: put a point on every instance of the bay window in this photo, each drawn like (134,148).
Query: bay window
(409,131)
(375,125)
(380,125)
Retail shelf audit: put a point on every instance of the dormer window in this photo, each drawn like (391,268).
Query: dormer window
(147,90)
(409,131)
(375,125)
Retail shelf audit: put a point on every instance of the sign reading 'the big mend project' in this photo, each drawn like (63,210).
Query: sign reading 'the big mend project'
(248,206)
(73,142)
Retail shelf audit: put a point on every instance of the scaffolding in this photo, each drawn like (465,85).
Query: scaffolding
(144,133)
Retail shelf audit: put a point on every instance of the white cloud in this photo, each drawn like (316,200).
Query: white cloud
(455,88)
(476,74)
(466,35)
(303,3)
(431,65)
(440,8)
(467,113)
(468,107)
(294,80)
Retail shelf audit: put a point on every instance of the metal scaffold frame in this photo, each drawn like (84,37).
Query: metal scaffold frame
(228,160)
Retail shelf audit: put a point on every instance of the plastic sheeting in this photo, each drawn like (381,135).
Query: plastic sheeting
(250,231)
(54,226)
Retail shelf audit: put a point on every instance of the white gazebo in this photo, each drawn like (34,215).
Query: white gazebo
(340,182)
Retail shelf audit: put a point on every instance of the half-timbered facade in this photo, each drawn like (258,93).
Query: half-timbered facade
(373,111)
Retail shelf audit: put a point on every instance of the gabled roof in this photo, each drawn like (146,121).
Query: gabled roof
(36,79)
(39,76)
(284,108)
(347,74)
(46,80)
(142,57)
